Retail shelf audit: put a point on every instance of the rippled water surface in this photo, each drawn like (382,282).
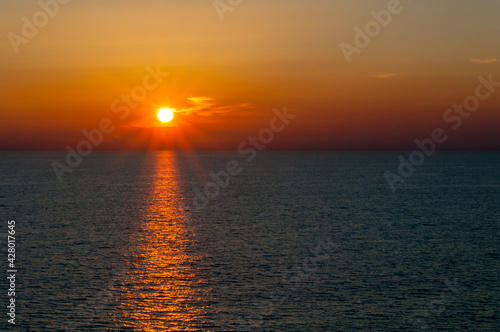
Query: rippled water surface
(294,242)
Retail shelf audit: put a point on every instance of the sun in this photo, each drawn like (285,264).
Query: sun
(165,114)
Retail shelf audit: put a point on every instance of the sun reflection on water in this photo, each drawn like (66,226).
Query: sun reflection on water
(160,287)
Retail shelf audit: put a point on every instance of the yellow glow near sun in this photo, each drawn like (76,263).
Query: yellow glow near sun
(165,114)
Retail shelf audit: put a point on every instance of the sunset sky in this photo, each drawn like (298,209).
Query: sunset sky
(225,77)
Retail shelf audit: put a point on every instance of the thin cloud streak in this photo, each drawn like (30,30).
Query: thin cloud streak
(484,61)
(208,106)
(386,75)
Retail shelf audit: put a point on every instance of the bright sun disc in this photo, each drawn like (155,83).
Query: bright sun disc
(165,114)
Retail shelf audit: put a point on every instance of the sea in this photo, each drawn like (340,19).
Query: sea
(276,241)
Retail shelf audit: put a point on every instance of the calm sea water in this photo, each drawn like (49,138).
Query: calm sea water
(295,242)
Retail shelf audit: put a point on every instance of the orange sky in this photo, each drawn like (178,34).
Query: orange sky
(226,76)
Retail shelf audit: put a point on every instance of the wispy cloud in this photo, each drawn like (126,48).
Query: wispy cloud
(386,75)
(208,106)
(483,61)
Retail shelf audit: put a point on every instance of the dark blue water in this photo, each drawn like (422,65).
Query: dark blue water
(293,242)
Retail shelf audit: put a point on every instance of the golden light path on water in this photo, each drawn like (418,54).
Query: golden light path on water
(161,291)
